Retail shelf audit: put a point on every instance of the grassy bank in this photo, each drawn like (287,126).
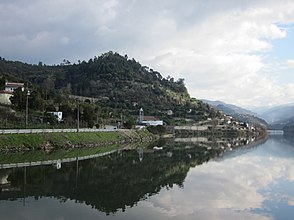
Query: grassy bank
(49,141)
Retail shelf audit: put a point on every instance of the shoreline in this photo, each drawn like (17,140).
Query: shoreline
(52,141)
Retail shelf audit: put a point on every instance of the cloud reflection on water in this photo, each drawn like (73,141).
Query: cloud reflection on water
(232,188)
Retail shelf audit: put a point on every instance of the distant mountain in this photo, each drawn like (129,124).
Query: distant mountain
(237,112)
(233,109)
(278,113)
(274,117)
(278,116)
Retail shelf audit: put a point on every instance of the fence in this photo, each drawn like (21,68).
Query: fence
(38,131)
(53,162)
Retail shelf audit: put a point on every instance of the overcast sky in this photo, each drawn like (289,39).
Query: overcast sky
(237,51)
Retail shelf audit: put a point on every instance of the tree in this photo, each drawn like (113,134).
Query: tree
(159,129)
(50,118)
(48,85)
(2,83)
(36,101)
(89,115)
(129,123)
(18,99)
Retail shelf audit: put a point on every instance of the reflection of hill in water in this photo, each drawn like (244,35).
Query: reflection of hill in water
(288,137)
(113,182)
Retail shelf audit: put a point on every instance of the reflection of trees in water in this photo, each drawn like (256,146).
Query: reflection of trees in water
(112,182)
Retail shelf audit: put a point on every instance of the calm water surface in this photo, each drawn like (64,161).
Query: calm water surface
(178,182)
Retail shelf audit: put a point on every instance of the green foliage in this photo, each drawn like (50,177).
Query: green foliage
(159,129)
(89,115)
(2,83)
(120,85)
(18,100)
(50,119)
(129,124)
(36,102)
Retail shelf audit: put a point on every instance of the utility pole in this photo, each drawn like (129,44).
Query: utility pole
(78,116)
(27,106)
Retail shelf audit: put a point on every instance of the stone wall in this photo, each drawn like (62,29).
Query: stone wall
(4,99)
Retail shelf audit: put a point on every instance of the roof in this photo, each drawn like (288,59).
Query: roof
(13,84)
(150,118)
(5,92)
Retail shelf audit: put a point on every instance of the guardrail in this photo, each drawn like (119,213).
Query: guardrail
(38,131)
(48,162)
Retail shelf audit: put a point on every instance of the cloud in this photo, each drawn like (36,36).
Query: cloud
(290,63)
(219,47)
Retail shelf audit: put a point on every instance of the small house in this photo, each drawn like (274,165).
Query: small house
(11,86)
(151,121)
(148,120)
(8,92)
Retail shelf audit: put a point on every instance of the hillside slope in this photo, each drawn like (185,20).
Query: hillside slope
(278,116)
(237,112)
(121,85)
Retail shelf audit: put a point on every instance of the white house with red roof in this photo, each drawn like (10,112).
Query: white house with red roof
(11,86)
(148,120)
(8,92)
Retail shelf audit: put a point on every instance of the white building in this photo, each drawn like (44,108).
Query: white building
(8,92)
(58,115)
(5,97)
(151,121)
(148,120)
(11,86)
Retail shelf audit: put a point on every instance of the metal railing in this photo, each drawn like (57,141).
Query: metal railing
(48,162)
(39,131)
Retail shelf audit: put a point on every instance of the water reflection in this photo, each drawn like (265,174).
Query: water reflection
(172,183)
(256,185)
(109,183)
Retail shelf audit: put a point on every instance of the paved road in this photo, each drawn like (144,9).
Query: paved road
(36,131)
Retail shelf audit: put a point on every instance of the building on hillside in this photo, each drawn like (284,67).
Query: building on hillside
(148,120)
(151,121)
(8,92)
(58,115)
(141,115)
(5,97)
(11,86)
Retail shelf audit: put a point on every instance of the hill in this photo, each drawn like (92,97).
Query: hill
(278,113)
(278,116)
(229,108)
(120,85)
(239,113)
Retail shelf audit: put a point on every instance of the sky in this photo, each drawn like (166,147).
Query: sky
(237,51)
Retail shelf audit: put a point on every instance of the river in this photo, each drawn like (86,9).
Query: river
(179,181)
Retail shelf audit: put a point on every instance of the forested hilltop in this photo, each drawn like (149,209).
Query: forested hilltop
(120,85)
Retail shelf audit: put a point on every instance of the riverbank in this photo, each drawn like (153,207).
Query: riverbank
(52,141)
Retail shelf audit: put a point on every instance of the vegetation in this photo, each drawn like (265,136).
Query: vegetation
(53,141)
(120,86)
(159,129)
